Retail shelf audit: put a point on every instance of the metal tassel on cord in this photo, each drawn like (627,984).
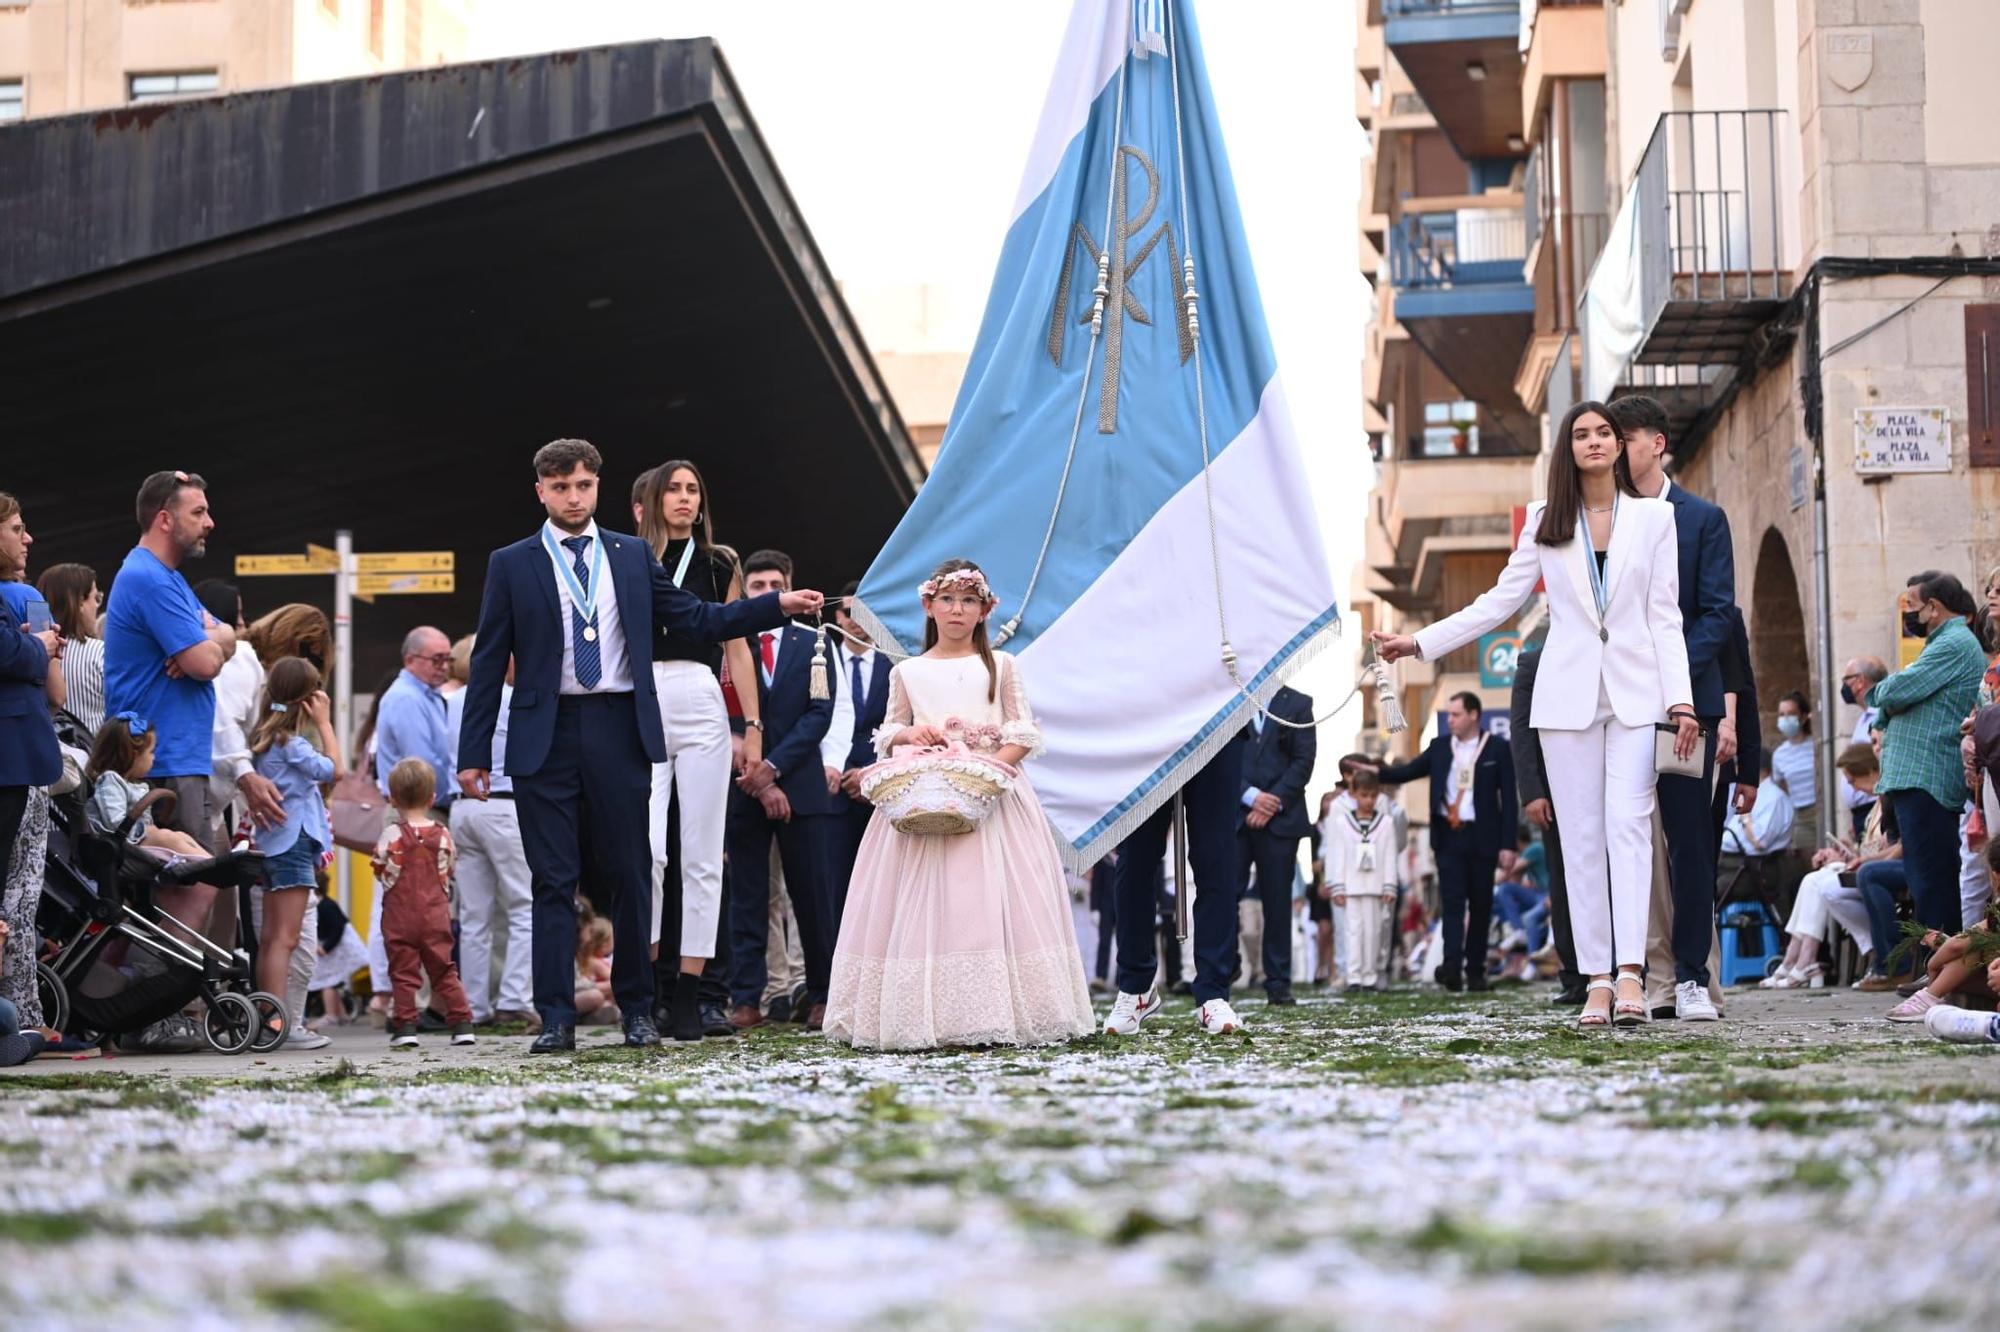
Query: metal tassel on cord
(817,686)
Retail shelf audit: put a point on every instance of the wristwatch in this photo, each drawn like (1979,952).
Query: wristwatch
(752,724)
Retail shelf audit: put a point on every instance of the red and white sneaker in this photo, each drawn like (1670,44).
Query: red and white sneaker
(1129,1010)
(1218,1018)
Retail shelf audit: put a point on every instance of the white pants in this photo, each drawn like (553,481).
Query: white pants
(1975,886)
(305,958)
(1365,918)
(493,886)
(1602,782)
(1824,900)
(697,766)
(378,947)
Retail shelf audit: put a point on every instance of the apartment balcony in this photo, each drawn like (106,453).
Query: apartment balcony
(1463,297)
(1439,512)
(1697,262)
(1565,42)
(1464,57)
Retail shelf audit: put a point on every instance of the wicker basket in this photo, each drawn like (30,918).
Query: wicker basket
(936,792)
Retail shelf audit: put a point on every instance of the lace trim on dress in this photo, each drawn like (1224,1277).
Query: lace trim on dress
(981,998)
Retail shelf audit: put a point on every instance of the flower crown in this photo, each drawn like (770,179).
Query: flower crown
(970,580)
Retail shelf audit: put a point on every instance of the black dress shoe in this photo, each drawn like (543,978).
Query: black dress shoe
(556,1038)
(1569,997)
(1283,999)
(801,1004)
(1665,1013)
(779,1010)
(1448,977)
(640,1031)
(715,1021)
(1477,983)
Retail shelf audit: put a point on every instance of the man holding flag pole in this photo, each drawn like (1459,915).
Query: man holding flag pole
(1121,462)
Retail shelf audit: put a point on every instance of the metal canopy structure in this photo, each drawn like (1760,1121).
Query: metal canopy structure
(365,303)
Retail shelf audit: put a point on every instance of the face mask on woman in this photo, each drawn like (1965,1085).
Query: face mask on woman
(1789,727)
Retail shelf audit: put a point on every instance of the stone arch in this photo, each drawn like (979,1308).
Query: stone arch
(1778,630)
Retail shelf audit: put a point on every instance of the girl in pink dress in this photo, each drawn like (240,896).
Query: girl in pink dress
(959,939)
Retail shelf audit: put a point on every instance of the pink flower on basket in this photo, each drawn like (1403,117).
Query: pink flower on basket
(973,735)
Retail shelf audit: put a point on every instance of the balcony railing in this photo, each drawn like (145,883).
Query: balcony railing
(1470,245)
(1699,237)
(1433,8)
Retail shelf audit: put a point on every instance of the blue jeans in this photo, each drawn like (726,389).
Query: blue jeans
(1880,881)
(1930,850)
(1523,908)
(10,1018)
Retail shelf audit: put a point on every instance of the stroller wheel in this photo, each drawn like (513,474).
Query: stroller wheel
(269,1008)
(54,996)
(231,1023)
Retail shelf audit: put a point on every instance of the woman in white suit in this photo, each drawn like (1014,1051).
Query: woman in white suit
(1614,666)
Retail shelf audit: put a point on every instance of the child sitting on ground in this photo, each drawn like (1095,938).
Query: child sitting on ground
(1968,962)
(412,866)
(595,1005)
(341,954)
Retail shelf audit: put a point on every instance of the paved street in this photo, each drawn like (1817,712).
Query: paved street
(1407,1160)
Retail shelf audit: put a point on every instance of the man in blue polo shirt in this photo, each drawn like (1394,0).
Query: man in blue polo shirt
(162,652)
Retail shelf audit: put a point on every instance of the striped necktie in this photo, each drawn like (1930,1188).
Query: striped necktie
(583,638)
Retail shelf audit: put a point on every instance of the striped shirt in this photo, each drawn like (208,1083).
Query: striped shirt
(1922,706)
(83,679)
(1792,763)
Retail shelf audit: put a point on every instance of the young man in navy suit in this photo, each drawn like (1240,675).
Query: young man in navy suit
(1708,592)
(1277,764)
(583,727)
(785,797)
(1475,828)
(861,705)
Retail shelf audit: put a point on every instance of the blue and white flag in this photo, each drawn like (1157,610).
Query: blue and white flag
(1120,638)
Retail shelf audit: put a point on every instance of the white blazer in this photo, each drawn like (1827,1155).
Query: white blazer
(1636,649)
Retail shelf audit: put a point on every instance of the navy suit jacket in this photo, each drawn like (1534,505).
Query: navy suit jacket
(1280,761)
(1496,817)
(1744,767)
(522,616)
(1531,777)
(795,723)
(868,717)
(28,754)
(1708,591)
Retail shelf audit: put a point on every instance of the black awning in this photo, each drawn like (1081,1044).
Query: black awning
(366,303)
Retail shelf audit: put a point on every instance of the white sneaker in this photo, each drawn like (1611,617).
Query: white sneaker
(1218,1018)
(304,1038)
(1129,1010)
(1963,1026)
(1691,1003)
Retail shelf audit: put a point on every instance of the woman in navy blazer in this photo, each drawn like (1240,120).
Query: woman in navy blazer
(29,761)
(1614,665)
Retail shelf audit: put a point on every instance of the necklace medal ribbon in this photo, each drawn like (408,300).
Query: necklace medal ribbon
(1599,590)
(583,600)
(681,570)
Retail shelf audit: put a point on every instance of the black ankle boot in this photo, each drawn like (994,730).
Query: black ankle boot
(684,1018)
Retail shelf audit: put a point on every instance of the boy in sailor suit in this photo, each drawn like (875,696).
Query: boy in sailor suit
(1361,874)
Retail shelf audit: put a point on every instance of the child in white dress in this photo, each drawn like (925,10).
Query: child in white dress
(959,939)
(1361,875)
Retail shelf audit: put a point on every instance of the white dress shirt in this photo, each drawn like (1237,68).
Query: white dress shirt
(454,717)
(615,677)
(238,687)
(840,731)
(1464,755)
(1769,829)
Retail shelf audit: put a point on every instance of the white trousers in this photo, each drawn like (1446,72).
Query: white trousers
(1975,886)
(1602,782)
(1823,900)
(697,729)
(378,947)
(1366,918)
(494,888)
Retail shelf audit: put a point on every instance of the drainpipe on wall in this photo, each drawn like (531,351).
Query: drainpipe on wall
(1829,738)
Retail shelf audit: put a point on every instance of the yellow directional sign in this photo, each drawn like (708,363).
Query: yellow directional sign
(403,584)
(250,566)
(406,561)
(330,556)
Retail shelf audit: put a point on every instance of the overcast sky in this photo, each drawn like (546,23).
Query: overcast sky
(901,127)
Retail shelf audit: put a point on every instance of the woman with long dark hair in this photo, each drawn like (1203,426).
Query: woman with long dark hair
(71,591)
(676,519)
(1614,666)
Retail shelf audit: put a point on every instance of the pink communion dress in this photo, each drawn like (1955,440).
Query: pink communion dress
(965,939)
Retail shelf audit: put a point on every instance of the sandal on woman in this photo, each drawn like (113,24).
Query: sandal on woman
(1593,1016)
(1806,978)
(1630,1012)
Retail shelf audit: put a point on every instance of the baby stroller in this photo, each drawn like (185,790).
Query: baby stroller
(99,889)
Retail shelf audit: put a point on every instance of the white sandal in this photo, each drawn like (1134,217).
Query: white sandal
(1592,1017)
(1781,979)
(1630,1012)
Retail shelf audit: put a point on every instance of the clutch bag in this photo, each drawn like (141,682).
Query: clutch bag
(1669,764)
(936,792)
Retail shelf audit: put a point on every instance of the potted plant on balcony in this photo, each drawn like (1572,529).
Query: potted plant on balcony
(1461,436)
